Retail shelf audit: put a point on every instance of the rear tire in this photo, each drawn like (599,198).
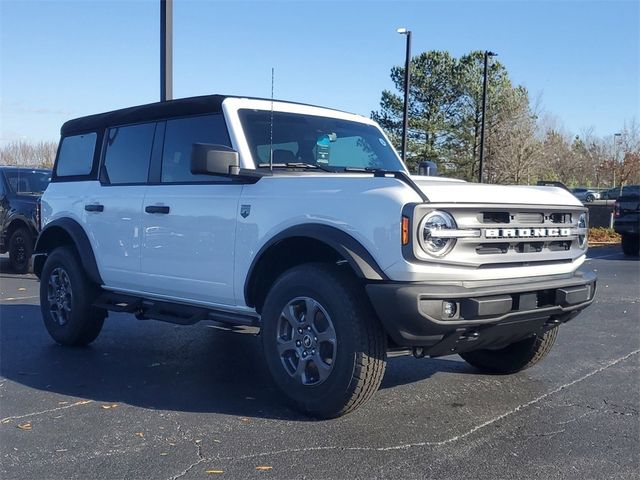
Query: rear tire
(66,298)
(515,357)
(590,198)
(20,250)
(330,361)
(631,245)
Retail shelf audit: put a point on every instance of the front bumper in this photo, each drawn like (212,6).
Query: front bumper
(484,315)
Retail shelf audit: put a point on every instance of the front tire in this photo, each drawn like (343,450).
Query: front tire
(66,298)
(20,250)
(515,357)
(631,245)
(323,344)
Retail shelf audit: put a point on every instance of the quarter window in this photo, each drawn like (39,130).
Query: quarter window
(76,155)
(179,137)
(128,154)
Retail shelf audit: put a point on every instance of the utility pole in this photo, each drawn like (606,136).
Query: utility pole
(616,137)
(487,54)
(407,86)
(166,50)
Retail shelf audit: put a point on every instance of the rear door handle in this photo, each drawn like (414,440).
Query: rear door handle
(94,207)
(156,209)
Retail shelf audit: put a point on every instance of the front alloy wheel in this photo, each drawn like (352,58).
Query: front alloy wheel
(323,344)
(306,340)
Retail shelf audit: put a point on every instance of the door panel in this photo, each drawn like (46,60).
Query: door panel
(189,252)
(115,232)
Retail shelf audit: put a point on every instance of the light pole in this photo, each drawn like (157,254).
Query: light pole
(487,54)
(407,85)
(166,50)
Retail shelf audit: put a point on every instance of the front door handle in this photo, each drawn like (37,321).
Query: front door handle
(156,209)
(94,207)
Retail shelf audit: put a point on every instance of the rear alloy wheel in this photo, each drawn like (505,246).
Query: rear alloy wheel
(66,298)
(20,250)
(515,357)
(590,198)
(323,344)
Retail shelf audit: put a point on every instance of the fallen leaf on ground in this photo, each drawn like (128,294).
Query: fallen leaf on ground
(214,471)
(25,426)
(22,289)
(139,434)
(264,468)
(164,454)
(244,419)
(107,407)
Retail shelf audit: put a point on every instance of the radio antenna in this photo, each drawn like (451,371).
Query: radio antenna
(271,126)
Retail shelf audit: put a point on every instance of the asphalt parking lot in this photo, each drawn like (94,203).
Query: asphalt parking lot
(154,400)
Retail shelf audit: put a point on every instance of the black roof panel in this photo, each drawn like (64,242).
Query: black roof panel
(148,112)
(153,111)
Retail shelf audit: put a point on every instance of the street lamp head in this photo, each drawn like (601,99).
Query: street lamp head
(489,53)
(403,31)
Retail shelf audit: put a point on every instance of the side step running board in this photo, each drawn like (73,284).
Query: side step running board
(180,314)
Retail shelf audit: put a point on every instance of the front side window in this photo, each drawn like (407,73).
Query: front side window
(128,153)
(76,155)
(323,141)
(27,181)
(179,137)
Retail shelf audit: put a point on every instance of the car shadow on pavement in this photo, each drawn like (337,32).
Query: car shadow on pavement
(161,366)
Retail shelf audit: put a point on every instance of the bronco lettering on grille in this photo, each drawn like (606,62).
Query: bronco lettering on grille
(526,232)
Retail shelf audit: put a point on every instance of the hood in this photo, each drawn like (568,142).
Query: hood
(440,190)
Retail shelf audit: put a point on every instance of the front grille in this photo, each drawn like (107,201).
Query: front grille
(517,236)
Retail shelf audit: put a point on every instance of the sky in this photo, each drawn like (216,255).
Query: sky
(65,59)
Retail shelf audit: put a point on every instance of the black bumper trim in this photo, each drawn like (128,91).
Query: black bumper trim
(412,313)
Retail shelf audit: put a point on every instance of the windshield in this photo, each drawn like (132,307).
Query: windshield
(328,143)
(27,181)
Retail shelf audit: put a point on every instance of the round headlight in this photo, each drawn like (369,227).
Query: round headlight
(429,235)
(583,223)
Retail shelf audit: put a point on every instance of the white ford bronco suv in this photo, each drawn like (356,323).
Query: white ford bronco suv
(304,222)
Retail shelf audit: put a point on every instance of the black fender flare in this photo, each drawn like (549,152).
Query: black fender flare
(360,260)
(49,238)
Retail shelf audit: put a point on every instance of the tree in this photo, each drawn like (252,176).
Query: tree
(445,112)
(21,153)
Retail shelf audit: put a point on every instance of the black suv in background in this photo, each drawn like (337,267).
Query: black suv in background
(627,220)
(20,191)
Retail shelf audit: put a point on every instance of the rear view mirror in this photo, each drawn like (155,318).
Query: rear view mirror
(211,159)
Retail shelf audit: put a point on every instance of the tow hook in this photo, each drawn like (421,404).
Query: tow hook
(470,336)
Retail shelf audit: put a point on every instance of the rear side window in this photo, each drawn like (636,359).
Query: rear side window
(179,137)
(76,155)
(128,153)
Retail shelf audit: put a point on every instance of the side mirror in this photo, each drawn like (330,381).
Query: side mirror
(211,159)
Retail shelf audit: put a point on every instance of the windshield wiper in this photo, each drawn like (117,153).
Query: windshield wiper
(313,166)
(399,174)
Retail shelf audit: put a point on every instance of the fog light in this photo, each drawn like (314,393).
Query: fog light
(449,309)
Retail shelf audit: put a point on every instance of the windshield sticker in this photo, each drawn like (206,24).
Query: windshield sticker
(382,142)
(323,146)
